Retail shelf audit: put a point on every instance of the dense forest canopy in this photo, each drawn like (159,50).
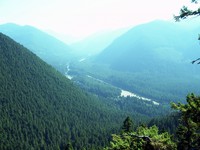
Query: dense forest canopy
(42,109)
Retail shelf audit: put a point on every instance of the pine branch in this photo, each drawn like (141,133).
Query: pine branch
(198,59)
(185,13)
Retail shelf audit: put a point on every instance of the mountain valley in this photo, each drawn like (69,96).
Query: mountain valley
(55,97)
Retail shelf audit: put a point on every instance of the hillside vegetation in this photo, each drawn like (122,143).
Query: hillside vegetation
(152,59)
(41,109)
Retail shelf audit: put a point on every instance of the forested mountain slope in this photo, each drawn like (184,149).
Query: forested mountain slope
(47,47)
(154,59)
(41,109)
(151,45)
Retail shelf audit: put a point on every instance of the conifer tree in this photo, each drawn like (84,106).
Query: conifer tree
(188,133)
(69,146)
(127,125)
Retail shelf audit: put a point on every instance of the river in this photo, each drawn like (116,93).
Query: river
(126,93)
(67,72)
(123,92)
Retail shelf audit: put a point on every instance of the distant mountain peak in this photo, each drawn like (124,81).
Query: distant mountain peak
(151,41)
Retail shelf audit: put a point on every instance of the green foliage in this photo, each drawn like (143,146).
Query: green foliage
(158,141)
(188,132)
(189,129)
(69,147)
(143,138)
(127,125)
(125,142)
(167,123)
(41,109)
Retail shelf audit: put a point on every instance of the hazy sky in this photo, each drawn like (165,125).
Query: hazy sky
(83,17)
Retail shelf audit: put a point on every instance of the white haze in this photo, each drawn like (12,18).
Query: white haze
(80,18)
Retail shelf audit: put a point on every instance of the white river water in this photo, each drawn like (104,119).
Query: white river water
(123,92)
(127,93)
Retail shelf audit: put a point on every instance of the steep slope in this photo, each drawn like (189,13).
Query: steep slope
(145,46)
(154,60)
(41,109)
(42,44)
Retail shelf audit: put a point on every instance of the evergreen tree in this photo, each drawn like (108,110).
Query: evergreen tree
(127,125)
(188,133)
(69,146)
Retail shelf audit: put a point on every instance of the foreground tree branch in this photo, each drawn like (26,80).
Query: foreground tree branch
(185,13)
